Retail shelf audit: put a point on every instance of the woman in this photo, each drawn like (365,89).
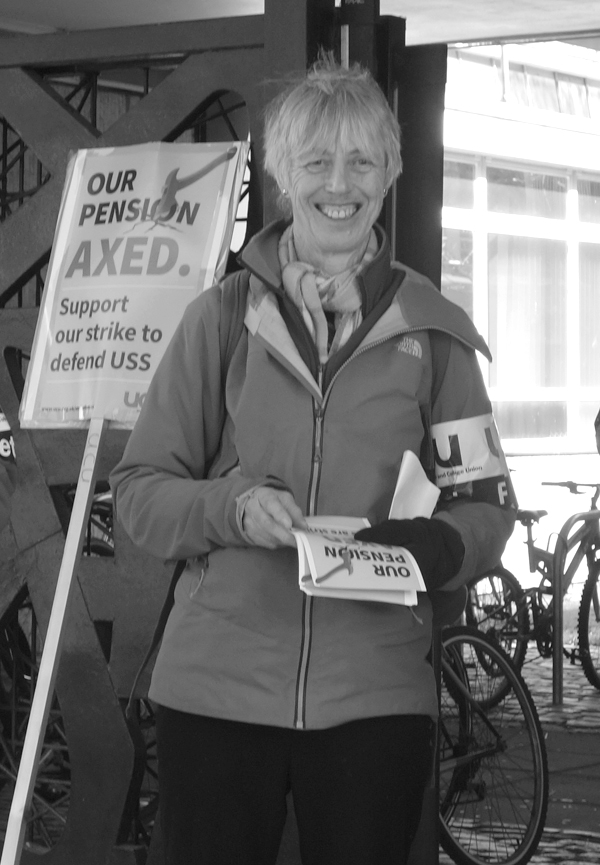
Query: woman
(261,689)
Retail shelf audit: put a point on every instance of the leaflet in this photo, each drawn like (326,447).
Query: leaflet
(332,564)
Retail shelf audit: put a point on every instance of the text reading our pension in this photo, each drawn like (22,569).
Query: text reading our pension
(396,563)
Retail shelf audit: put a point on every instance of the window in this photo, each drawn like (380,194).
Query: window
(589,200)
(589,313)
(457,268)
(527,323)
(521,232)
(458,183)
(572,95)
(491,74)
(542,90)
(521,255)
(526,192)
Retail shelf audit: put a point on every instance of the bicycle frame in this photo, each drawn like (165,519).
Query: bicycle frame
(586,537)
(551,565)
(543,561)
(578,541)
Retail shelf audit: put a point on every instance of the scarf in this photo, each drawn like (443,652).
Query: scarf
(315,293)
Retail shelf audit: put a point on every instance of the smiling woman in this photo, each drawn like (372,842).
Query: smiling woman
(260,688)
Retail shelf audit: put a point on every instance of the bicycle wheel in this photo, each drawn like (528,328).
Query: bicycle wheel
(493,769)
(496,605)
(588,628)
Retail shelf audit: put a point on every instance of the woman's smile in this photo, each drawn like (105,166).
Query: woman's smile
(332,211)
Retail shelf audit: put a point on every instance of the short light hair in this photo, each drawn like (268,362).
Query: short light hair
(330,103)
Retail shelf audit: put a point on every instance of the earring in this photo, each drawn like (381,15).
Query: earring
(385,191)
(284,192)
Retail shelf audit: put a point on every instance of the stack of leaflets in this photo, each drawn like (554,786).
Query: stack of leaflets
(332,564)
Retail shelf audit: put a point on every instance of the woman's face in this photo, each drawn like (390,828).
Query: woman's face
(336,195)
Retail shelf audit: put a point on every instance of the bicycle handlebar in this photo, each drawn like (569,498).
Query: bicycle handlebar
(572,486)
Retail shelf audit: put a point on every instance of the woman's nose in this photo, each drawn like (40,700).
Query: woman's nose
(338,179)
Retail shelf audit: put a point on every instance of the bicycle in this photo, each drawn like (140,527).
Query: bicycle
(493,767)
(514,617)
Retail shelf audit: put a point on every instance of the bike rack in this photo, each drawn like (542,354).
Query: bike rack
(558,568)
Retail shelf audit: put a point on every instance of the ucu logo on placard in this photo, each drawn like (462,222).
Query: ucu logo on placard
(136,401)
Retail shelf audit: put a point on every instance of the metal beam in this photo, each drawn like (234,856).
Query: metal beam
(126,44)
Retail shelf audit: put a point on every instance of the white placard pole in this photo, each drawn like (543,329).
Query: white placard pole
(44,690)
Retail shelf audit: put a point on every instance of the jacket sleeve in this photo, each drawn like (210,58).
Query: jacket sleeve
(477,496)
(8,470)
(166,495)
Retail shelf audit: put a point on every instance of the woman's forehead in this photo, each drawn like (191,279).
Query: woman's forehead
(342,141)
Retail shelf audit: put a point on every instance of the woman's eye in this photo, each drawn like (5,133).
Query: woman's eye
(315,165)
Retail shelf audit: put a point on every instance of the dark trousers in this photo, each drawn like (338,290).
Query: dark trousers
(357,789)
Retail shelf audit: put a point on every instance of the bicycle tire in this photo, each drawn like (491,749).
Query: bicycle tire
(588,628)
(493,768)
(496,605)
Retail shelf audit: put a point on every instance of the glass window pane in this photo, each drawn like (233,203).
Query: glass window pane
(589,313)
(517,85)
(542,89)
(471,79)
(589,200)
(593,91)
(572,95)
(586,414)
(527,193)
(458,183)
(531,419)
(457,268)
(527,333)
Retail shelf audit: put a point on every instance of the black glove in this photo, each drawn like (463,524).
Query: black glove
(436,546)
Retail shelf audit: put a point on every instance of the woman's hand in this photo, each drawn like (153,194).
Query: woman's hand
(269,515)
(437,547)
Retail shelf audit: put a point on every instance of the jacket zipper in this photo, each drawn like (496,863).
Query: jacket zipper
(307,608)
(308,601)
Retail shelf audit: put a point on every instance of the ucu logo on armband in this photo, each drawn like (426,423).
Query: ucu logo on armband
(466,450)
(455,459)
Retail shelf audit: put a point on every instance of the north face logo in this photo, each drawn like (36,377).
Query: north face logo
(410,346)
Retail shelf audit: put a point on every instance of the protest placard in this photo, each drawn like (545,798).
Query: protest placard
(141,231)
